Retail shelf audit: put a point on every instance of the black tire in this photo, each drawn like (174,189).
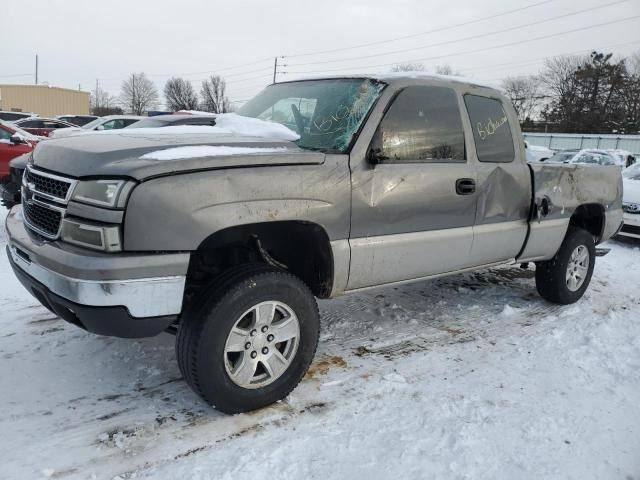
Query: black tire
(205,326)
(551,275)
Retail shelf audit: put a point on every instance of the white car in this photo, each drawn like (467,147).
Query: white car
(537,153)
(111,122)
(623,158)
(586,156)
(631,201)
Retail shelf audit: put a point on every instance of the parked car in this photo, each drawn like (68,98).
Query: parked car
(42,126)
(623,158)
(173,120)
(10,184)
(77,120)
(586,156)
(537,153)
(13,142)
(111,122)
(226,239)
(631,201)
(13,116)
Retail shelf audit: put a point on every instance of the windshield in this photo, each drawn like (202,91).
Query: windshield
(561,157)
(18,130)
(325,113)
(632,172)
(93,124)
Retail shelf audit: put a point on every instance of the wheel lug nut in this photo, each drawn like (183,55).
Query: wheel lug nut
(270,338)
(265,350)
(264,329)
(247,346)
(254,354)
(253,333)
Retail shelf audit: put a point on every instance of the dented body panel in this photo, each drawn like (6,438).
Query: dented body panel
(565,187)
(381,223)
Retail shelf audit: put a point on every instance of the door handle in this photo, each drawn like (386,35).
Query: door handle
(465,186)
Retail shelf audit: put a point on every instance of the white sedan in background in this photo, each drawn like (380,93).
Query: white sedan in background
(587,156)
(631,201)
(537,153)
(111,122)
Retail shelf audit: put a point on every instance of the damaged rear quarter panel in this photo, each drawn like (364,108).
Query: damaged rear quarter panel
(566,187)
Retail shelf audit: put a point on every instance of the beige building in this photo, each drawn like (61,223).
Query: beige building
(44,100)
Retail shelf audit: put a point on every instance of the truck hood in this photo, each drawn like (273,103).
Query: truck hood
(143,155)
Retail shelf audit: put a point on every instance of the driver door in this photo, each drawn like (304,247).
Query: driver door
(413,211)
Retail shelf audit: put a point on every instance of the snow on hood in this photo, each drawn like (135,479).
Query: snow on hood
(202,151)
(631,191)
(226,123)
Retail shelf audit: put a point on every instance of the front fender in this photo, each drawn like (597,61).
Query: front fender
(177,213)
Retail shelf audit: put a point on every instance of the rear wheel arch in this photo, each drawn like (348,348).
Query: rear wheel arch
(591,218)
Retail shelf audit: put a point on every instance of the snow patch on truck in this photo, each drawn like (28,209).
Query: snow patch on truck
(207,151)
(226,123)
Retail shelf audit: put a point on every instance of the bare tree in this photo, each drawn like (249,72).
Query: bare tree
(446,69)
(138,94)
(103,103)
(525,94)
(180,95)
(214,95)
(408,67)
(634,64)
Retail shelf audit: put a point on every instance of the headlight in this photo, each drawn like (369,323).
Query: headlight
(103,193)
(92,235)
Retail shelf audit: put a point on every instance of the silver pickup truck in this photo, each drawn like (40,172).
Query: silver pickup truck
(226,238)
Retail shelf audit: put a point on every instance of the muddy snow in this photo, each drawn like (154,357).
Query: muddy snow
(472,376)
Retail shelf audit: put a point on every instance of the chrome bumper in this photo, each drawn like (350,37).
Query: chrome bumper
(100,280)
(143,297)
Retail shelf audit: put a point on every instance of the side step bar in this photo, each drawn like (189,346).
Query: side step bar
(601,252)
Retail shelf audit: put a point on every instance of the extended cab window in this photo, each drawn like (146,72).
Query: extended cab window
(422,125)
(491,129)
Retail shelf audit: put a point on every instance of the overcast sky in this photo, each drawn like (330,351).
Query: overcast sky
(79,41)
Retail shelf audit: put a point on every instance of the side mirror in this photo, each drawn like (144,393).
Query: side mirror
(17,139)
(100,127)
(375,156)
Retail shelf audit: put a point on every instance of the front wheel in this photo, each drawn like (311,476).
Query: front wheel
(565,277)
(249,340)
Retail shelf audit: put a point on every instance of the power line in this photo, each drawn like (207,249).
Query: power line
(478,50)
(255,62)
(540,59)
(472,37)
(440,29)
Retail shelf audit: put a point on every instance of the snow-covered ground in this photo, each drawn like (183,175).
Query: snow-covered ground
(472,376)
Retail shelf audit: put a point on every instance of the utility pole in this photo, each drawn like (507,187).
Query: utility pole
(36,68)
(96,99)
(275,68)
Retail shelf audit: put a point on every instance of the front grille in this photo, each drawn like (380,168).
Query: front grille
(633,229)
(44,219)
(47,185)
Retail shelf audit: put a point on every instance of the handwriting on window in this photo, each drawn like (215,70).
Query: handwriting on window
(490,127)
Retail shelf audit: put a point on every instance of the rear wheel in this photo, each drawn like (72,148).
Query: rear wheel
(249,339)
(565,277)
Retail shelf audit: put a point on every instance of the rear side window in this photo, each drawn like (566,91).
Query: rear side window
(422,125)
(491,129)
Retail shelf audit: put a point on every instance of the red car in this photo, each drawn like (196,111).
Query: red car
(13,142)
(42,126)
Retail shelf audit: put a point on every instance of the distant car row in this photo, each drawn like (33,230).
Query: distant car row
(75,120)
